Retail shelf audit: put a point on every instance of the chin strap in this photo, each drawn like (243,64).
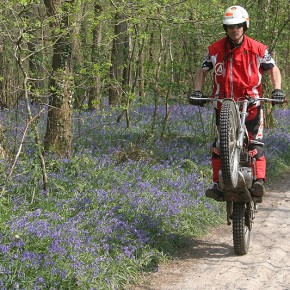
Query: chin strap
(233,45)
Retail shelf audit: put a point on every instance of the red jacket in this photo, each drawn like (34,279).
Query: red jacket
(238,71)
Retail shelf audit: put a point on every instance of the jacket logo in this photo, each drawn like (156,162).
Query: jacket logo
(219,69)
(254,152)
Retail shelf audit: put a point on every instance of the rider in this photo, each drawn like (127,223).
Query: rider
(238,63)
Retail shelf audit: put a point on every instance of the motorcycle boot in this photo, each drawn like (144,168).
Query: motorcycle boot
(258,190)
(215,193)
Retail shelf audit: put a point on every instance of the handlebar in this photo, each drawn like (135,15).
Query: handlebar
(249,99)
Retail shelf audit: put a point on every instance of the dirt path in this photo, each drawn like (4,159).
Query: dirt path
(210,262)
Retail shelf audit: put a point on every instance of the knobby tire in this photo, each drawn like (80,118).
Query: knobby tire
(241,232)
(230,155)
(229,128)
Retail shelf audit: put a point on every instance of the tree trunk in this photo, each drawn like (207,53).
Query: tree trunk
(140,74)
(2,102)
(3,146)
(36,72)
(156,87)
(58,135)
(95,90)
(8,76)
(117,60)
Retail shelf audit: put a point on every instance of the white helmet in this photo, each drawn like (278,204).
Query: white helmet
(236,15)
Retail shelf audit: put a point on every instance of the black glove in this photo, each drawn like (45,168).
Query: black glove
(279,96)
(196,94)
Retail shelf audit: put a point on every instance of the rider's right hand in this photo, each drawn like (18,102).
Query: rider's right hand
(195,102)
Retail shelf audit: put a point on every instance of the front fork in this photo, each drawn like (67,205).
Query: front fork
(229,212)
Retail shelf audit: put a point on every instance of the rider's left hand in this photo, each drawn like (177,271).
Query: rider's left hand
(279,96)
(197,95)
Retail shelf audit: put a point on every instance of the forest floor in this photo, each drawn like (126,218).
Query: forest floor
(211,263)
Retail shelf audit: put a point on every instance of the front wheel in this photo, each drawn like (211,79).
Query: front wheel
(229,130)
(241,228)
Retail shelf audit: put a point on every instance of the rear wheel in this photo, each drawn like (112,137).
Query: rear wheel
(241,228)
(229,129)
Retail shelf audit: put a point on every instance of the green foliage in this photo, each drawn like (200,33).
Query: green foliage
(177,33)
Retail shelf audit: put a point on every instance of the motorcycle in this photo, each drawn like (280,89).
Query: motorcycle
(237,172)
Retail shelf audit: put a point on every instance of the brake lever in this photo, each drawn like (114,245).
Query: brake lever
(251,101)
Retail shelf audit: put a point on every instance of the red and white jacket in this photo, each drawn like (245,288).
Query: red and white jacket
(238,71)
